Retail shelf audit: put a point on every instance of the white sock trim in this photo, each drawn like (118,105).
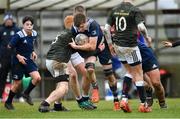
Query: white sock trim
(139,83)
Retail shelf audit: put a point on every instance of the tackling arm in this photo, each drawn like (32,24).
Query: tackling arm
(90,46)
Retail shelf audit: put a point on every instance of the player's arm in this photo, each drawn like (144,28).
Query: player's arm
(169,44)
(89,46)
(107,31)
(12,44)
(142,28)
(108,38)
(139,19)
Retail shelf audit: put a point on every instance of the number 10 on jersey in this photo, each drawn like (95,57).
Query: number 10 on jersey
(120,23)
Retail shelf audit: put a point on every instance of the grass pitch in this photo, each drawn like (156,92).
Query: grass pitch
(105,110)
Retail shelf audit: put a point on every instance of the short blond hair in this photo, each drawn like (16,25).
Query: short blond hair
(68,21)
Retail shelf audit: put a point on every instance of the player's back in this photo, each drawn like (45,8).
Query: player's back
(125,18)
(60,49)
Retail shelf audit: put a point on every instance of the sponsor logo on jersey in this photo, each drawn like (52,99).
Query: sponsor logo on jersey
(25,41)
(94,32)
(12,33)
(154,66)
(15,76)
(5,33)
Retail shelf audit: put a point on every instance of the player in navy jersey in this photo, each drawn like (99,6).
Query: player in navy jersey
(61,58)
(95,89)
(23,61)
(150,68)
(96,47)
(127,20)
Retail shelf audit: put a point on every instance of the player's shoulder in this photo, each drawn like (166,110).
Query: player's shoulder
(135,9)
(65,33)
(91,22)
(34,33)
(20,34)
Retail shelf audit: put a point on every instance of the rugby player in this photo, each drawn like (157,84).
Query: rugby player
(128,20)
(23,61)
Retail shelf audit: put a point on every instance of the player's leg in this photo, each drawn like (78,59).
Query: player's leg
(133,57)
(17,73)
(149,90)
(90,67)
(127,84)
(58,93)
(159,90)
(31,68)
(74,83)
(78,63)
(105,61)
(112,84)
(60,74)
(15,86)
(58,106)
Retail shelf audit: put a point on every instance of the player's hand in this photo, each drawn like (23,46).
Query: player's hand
(111,48)
(21,59)
(34,56)
(73,44)
(167,44)
(101,46)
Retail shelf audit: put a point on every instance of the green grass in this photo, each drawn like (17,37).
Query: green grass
(104,110)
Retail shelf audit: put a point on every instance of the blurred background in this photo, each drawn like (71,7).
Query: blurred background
(162,20)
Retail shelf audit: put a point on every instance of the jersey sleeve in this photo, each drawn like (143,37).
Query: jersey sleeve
(93,30)
(177,43)
(74,31)
(13,42)
(139,17)
(110,18)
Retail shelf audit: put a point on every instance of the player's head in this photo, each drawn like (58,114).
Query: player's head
(79,9)
(80,22)
(68,21)
(28,23)
(8,20)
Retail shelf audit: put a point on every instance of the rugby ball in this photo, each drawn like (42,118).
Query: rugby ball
(81,39)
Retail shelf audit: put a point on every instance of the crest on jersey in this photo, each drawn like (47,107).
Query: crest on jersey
(5,33)
(94,32)
(12,33)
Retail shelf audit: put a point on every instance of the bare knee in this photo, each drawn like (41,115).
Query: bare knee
(37,79)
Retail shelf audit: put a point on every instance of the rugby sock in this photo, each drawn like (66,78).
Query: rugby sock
(141,90)
(79,100)
(126,86)
(114,92)
(149,92)
(29,88)
(95,85)
(58,106)
(44,103)
(85,97)
(10,97)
